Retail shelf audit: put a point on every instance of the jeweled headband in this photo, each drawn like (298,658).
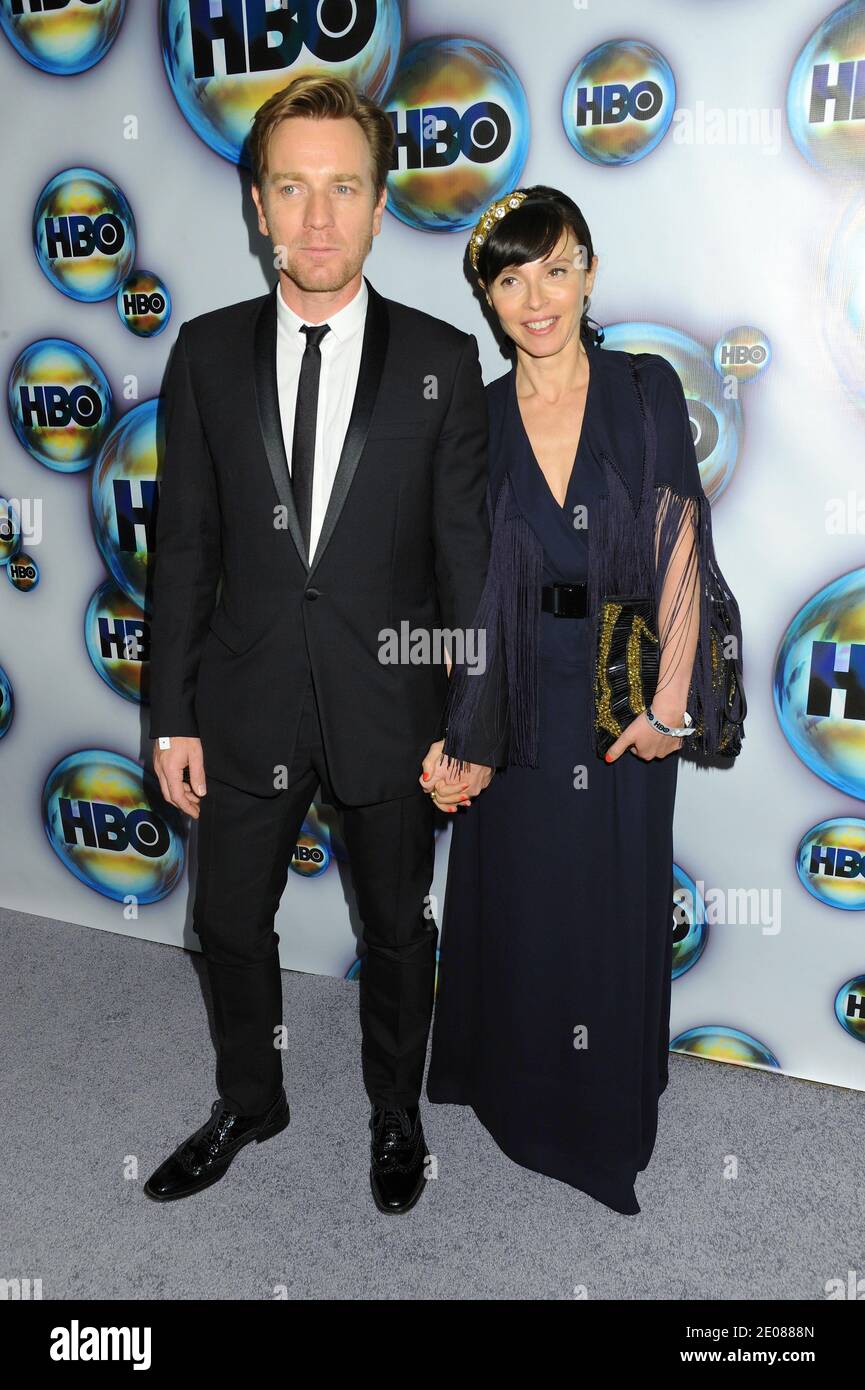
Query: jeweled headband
(494,213)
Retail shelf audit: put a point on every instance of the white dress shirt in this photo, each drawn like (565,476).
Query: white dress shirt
(340,365)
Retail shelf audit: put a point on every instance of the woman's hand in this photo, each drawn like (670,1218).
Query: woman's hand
(647,742)
(441,778)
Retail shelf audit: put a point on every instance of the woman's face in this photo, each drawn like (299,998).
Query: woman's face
(540,303)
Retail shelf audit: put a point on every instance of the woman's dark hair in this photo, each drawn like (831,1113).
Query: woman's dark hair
(532,231)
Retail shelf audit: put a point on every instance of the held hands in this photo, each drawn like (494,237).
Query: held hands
(645,740)
(447,788)
(169,763)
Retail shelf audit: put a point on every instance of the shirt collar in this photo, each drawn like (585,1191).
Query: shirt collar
(343,324)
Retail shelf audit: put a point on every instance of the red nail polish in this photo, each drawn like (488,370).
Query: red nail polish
(426,776)
(607,758)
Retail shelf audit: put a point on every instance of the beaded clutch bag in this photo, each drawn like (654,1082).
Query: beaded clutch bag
(628,648)
(628,663)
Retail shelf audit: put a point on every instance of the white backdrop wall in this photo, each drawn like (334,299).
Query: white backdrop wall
(742,224)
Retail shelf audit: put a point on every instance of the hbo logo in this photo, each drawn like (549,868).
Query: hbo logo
(309,854)
(482,134)
(742,355)
(55,406)
(99,825)
(137,302)
(274,38)
(616,102)
(79,235)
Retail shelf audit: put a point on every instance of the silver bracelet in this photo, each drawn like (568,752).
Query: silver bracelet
(665,729)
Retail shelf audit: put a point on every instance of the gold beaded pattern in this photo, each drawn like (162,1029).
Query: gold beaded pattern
(638,632)
(604,717)
(494,213)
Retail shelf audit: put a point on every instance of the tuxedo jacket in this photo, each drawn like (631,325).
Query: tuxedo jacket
(240,617)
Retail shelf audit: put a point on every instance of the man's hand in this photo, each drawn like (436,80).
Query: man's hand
(169,763)
(440,777)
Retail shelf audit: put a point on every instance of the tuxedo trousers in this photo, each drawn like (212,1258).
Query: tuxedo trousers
(245,847)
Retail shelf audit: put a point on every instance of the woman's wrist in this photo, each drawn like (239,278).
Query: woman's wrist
(669,711)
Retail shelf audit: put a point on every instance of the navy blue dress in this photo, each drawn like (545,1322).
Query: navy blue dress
(553,1005)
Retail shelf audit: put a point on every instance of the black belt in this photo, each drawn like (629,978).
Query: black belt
(564,600)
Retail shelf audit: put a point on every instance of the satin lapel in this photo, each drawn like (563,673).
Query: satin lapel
(270,423)
(375,339)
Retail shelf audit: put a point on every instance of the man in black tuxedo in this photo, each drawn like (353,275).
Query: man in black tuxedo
(324,481)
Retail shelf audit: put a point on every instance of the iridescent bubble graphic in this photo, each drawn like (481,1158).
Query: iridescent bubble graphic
(117,638)
(824,96)
(7,703)
(830,862)
(23,573)
(690,928)
(823,651)
(59,404)
(742,353)
(843,324)
(144,304)
(850,1007)
(123,498)
(221,69)
(68,38)
(325,822)
(312,853)
(108,825)
(84,234)
(619,102)
(716,422)
(462,122)
(10,531)
(724,1044)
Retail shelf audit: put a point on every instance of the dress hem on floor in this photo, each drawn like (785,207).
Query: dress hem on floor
(597,1183)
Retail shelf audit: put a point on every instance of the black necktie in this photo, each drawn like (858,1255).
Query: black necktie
(303,445)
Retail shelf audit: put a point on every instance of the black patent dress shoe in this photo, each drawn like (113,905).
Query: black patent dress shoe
(398,1154)
(206,1155)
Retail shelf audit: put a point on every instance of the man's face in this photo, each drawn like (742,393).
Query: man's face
(317,202)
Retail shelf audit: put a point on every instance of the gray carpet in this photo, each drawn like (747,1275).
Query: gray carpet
(108,1064)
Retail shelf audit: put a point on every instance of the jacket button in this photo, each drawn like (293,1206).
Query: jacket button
(311,594)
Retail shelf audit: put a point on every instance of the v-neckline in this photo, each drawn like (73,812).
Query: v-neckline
(560,506)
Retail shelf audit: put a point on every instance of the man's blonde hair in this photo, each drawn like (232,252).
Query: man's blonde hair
(322,98)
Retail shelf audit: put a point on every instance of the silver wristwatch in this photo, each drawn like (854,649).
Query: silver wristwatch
(665,729)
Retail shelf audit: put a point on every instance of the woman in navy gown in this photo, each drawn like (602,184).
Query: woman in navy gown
(552,1013)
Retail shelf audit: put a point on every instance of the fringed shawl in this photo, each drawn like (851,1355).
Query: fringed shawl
(634,531)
